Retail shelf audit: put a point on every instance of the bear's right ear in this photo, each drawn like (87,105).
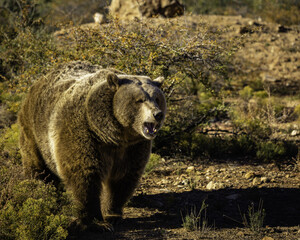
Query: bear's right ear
(113,81)
(159,81)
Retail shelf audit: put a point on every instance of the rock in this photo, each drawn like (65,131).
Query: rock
(190,169)
(210,169)
(99,18)
(256,181)
(250,175)
(226,177)
(233,196)
(131,9)
(264,179)
(165,8)
(164,181)
(268,238)
(214,185)
(185,182)
(210,185)
(253,23)
(295,133)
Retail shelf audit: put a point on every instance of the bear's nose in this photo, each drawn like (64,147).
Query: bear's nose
(158,115)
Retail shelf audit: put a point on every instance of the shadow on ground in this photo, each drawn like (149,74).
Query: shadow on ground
(225,210)
(281,206)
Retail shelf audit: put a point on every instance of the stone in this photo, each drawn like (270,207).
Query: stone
(268,238)
(250,175)
(190,169)
(233,196)
(99,18)
(214,185)
(185,182)
(131,9)
(295,133)
(210,185)
(210,169)
(256,181)
(264,179)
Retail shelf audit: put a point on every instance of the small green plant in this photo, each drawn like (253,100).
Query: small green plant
(270,151)
(9,142)
(154,160)
(255,218)
(196,220)
(297,112)
(246,93)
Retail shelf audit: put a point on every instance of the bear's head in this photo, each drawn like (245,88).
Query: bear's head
(125,108)
(138,103)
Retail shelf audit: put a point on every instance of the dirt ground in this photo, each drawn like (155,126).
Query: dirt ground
(228,186)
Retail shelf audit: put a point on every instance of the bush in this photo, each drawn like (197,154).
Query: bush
(9,143)
(34,210)
(154,160)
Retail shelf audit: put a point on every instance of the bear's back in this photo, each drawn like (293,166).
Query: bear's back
(47,91)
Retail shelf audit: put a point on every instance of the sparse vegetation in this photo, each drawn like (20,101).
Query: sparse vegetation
(255,217)
(154,160)
(195,220)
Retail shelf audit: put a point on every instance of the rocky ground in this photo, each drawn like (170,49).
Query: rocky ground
(229,187)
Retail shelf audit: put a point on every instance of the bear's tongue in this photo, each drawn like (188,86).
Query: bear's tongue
(150,128)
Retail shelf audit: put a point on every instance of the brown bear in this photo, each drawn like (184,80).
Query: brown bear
(91,128)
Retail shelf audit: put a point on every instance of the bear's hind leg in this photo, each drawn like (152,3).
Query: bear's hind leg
(33,162)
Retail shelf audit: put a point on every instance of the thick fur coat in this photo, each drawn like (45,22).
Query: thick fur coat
(91,128)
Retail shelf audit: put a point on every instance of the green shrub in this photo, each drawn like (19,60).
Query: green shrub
(255,218)
(34,210)
(270,151)
(196,220)
(297,112)
(246,93)
(9,142)
(261,94)
(154,160)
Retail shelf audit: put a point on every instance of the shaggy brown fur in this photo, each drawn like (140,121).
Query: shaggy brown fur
(92,128)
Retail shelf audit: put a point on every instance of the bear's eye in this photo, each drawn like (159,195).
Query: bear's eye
(140,100)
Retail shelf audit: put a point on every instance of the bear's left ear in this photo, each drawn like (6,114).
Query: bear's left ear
(159,81)
(113,81)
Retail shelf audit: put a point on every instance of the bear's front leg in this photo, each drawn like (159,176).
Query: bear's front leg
(85,190)
(119,190)
(82,172)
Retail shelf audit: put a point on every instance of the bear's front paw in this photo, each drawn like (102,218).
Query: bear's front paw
(113,219)
(78,227)
(100,226)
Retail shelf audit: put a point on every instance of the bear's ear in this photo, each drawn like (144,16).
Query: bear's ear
(159,81)
(113,81)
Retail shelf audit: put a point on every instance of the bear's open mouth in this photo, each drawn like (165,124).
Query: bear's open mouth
(150,129)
